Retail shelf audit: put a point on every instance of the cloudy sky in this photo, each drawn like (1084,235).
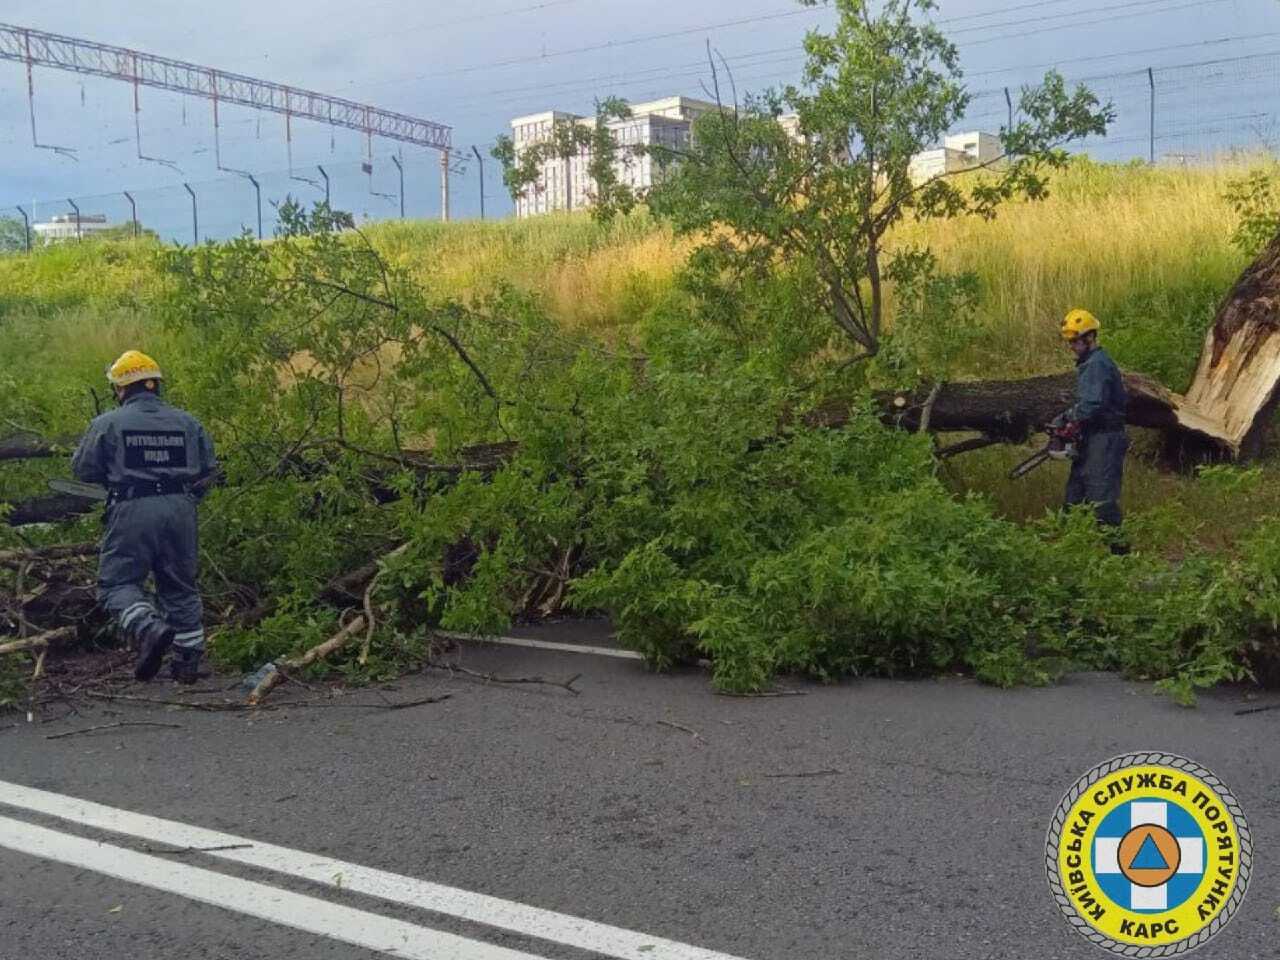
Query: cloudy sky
(474,66)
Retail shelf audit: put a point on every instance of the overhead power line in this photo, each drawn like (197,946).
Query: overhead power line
(607,45)
(1067,14)
(1074,25)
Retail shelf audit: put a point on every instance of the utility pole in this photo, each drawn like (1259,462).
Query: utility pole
(26,228)
(1151,79)
(77,210)
(195,216)
(1009,100)
(444,186)
(257,189)
(480,161)
(400,167)
(134,212)
(326,183)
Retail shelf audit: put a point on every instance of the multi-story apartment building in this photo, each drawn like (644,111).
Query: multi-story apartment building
(567,184)
(961,151)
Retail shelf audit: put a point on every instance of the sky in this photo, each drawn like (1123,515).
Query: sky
(475,66)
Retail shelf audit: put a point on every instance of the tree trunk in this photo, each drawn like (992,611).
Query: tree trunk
(27,446)
(1237,383)
(1011,410)
(50,508)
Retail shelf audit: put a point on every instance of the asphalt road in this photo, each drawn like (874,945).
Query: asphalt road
(875,819)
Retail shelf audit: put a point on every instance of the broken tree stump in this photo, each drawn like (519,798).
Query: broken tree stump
(1237,383)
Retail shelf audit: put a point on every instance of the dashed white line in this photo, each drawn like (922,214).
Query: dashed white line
(253,899)
(479,908)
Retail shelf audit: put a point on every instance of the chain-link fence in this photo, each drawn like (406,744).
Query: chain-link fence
(1188,113)
(391,185)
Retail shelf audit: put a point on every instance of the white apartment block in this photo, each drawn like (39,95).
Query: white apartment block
(63,227)
(961,151)
(567,185)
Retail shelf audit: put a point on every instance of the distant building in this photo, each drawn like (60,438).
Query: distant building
(962,151)
(63,227)
(567,184)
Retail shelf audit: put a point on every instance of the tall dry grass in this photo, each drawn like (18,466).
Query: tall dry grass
(1146,249)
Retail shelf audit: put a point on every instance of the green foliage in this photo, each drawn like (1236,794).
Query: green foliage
(1254,201)
(13,235)
(935,322)
(825,185)
(14,671)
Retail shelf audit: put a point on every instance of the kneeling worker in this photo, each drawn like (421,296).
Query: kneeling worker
(149,456)
(1099,412)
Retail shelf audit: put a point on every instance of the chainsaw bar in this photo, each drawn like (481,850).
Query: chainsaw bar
(1026,466)
(74,488)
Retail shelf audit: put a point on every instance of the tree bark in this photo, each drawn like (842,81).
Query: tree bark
(48,508)
(1011,410)
(29,446)
(1237,383)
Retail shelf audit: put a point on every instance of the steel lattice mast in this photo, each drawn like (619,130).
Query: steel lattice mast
(35,48)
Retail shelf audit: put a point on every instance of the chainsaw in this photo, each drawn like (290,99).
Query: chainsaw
(1064,444)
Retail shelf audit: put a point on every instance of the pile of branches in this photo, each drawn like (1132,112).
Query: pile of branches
(53,592)
(52,606)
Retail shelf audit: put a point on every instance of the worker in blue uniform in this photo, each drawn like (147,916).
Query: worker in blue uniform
(154,460)
(1099,412)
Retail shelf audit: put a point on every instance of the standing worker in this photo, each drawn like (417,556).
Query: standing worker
(150,456)
(1099,417)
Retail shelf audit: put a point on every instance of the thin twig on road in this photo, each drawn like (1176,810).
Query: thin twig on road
(681,727)
(1249,710)
(833,772)
(226,706)
(181,851)
(763,694)
(494,678)
(113,726)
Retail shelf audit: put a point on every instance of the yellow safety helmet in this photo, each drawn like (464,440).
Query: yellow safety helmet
(1079,322)
(132,366)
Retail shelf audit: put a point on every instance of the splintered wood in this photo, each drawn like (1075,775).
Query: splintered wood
(1237,382)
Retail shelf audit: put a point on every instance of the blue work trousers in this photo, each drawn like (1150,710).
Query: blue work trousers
(1097,474)
(153,536)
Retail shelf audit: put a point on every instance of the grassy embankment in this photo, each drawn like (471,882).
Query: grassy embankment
(1147,250)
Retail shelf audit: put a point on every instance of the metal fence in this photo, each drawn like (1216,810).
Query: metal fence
(1189,113)
(390,186)
(1194,112)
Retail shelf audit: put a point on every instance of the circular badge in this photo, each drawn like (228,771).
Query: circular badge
(1148,855)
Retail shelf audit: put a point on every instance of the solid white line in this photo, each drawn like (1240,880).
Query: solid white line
(492,911)
(253,899)
(546,645)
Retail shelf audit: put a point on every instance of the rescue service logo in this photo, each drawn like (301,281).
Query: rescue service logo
(1148,855)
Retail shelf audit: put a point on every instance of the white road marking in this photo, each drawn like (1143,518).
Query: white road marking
(476,907)
(289,909)
(546,645)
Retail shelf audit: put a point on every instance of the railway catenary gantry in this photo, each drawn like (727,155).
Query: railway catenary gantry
(36,48)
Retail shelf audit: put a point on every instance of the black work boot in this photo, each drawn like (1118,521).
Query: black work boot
(184,667)
(151,652)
